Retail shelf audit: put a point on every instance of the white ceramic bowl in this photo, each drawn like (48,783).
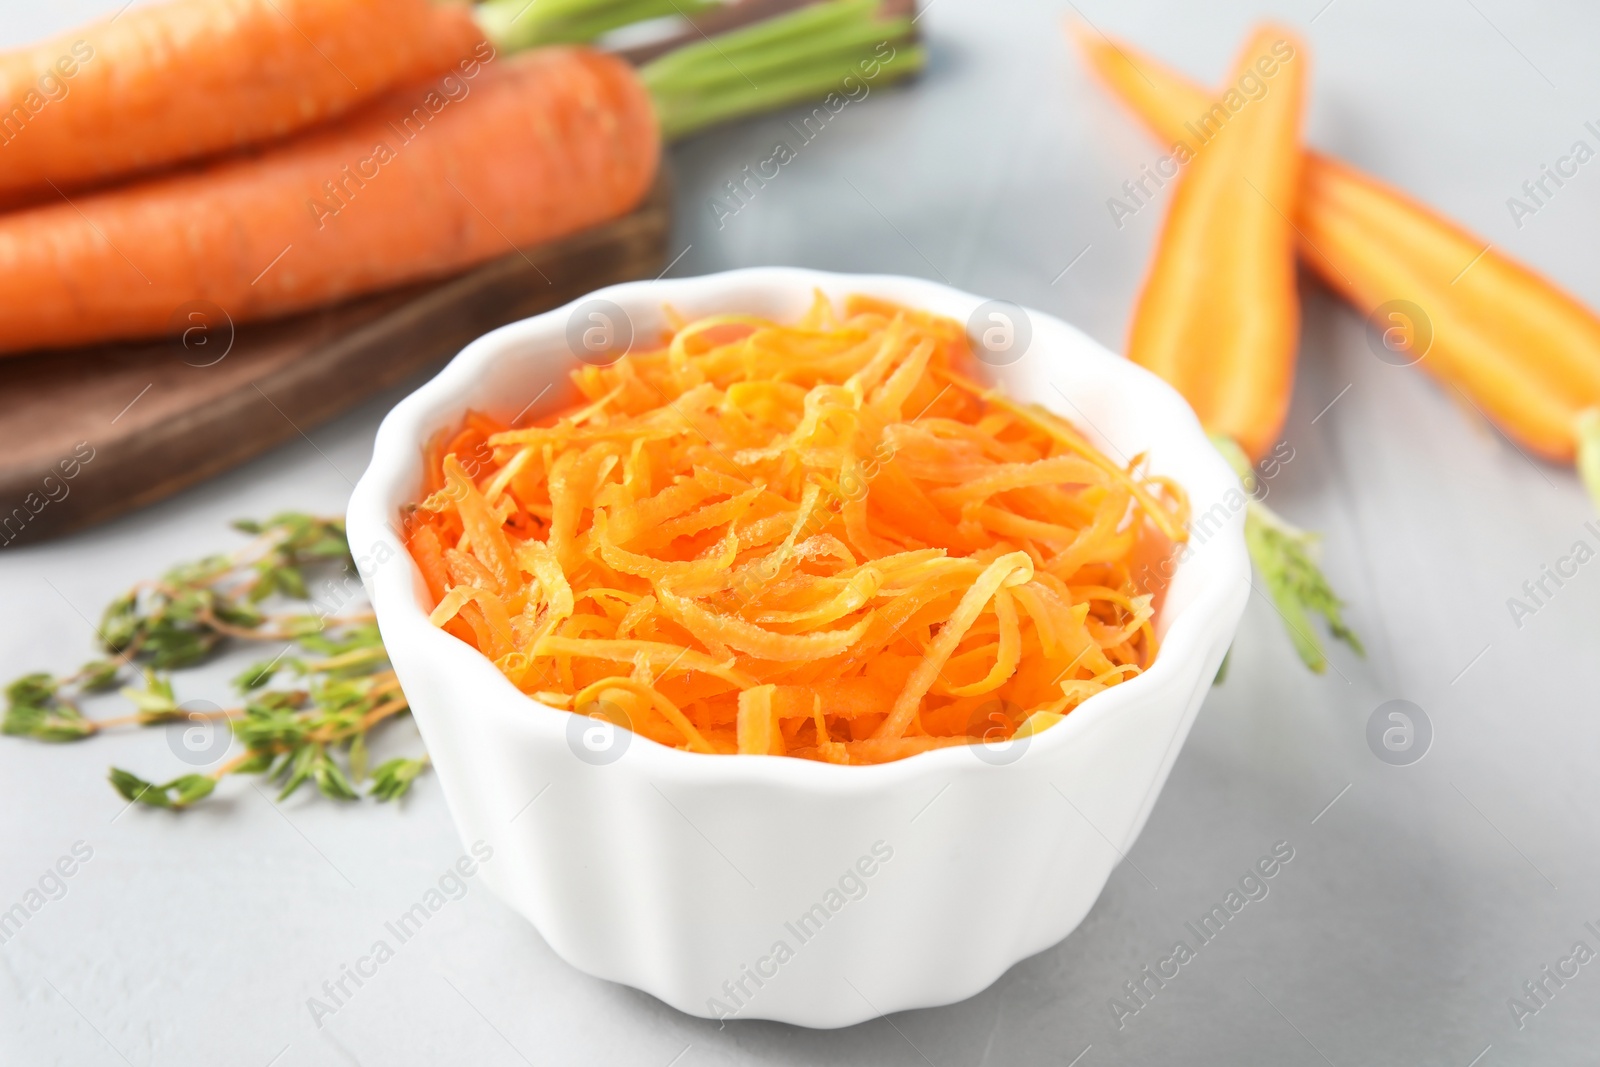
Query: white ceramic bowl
(776,888)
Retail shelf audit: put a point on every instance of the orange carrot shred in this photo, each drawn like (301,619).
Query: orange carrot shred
(820,540)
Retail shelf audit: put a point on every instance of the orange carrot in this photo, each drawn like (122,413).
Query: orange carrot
(188,78)
(1168,103)
(1525,352)
(419,184)
(1218,316)
(536,148)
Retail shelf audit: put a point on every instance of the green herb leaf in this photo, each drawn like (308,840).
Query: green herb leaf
(300,767)
(331,781)
(301,627)
(393,778)
(36,689)
(36,709)
(99,675)
(357,758)
(256,763)
(155,702)
(63,723)
(120,624)
(176,794)
(259,674)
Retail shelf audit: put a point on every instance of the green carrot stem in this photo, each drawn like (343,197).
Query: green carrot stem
(846,43)
(1286,557)
(1589,452)
(518,24)
(685,116)
(766,65)
(512,12)
(779,61)
(580,31)
(797,25)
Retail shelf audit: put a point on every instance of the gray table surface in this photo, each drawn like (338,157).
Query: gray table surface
(1421,897)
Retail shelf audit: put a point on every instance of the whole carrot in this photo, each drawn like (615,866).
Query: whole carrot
(424,182)
(1218,316)
(187,78)
(1525,352)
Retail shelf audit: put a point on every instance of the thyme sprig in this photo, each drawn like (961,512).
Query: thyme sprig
(311,727)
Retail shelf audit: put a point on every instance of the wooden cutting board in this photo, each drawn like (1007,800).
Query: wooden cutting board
(90,433)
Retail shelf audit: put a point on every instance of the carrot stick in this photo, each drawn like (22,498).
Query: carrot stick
(1525,352)
(1218,317)
(1167,102)
(169,82)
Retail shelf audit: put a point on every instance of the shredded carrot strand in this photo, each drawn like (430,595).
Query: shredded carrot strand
(821,540)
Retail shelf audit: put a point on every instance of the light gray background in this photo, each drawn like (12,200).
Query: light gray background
(1415,905)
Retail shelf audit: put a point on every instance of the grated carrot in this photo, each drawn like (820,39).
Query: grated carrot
(822,540)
